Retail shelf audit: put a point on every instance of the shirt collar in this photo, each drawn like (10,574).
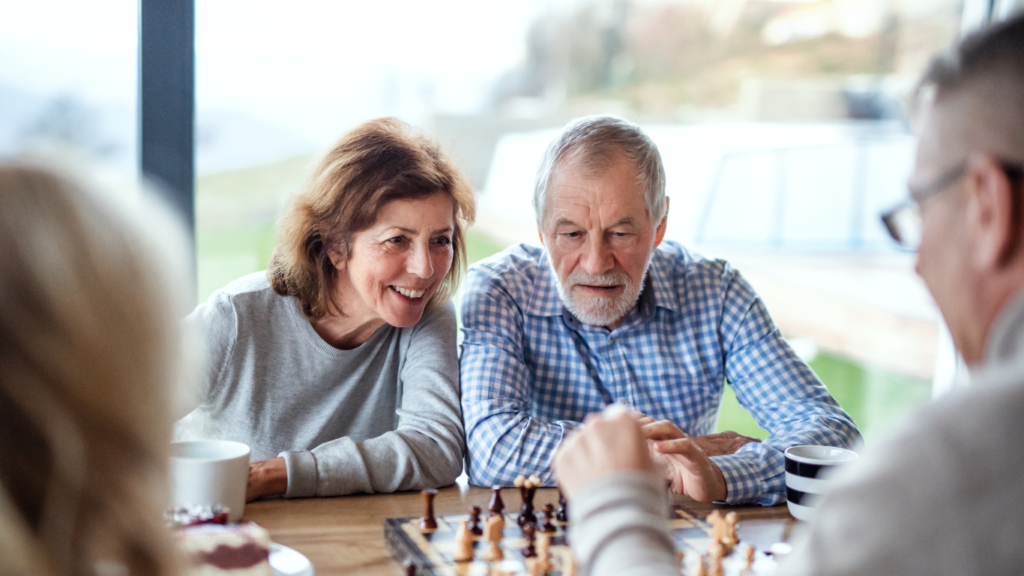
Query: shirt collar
(658,290)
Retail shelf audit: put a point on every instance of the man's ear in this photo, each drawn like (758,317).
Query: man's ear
(541,236)
(659,232)
(991,211)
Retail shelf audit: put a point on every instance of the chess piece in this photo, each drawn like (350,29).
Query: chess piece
(474,521)
(531,547)
(748,556)
(731,519)
(492,533)
(563,509)
(545,524)
(723,529)
(463,543)
(544,553)
(527,490)
(410,568)
(428,522)
(716,551)
(496,505)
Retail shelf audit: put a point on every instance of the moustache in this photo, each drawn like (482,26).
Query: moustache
(609,279)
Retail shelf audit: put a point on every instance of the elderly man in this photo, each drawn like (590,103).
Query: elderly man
(943,495)
(608,313)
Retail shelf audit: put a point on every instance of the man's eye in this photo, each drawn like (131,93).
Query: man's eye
(572,234)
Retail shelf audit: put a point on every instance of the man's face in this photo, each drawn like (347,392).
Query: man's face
(600,237)
(941,261)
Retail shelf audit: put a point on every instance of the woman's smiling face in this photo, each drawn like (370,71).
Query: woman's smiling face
(397,265)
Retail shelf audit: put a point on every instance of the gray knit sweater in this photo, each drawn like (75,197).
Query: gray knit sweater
(382,417)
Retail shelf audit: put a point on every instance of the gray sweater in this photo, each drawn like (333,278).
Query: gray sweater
(941,495)
(382,417)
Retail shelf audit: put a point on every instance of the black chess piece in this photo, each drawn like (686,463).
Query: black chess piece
(428,522)
(410,568)
(526,514)
(563,509)
(474,522)
(545,519)
(531,546)
(497,505)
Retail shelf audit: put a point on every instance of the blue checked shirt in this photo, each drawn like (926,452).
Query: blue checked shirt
(531,371)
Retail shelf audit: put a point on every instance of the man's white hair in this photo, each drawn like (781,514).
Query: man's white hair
(593,142)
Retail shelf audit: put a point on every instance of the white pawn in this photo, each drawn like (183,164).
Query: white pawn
(463,543)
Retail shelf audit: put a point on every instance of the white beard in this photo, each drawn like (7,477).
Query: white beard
(598,310)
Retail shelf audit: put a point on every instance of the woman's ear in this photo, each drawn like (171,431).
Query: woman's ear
(338,259)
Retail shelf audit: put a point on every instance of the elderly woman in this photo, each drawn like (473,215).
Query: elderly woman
(338,365)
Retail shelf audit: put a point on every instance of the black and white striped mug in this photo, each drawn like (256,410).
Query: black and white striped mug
(808,470)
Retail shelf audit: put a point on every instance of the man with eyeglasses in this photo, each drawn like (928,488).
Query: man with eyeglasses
(944,494)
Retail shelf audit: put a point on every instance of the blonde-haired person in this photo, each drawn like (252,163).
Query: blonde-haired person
(338,365)
(87,338)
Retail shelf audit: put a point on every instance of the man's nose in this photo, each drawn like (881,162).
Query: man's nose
(419,262)
(597,258)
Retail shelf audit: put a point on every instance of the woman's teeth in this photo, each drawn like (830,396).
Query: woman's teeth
(409,293)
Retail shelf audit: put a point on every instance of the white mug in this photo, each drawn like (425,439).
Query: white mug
(208,472)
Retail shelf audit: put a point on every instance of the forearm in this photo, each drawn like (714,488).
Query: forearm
(504,445)
(620,527)
(399,460)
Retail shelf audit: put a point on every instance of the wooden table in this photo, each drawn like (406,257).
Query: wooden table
(345,535)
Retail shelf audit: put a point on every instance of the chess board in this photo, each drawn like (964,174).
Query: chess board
(431,551)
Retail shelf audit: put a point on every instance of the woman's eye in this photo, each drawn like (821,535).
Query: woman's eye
(444,241)
(396,240)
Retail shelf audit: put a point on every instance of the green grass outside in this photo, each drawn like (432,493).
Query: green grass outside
(875,399)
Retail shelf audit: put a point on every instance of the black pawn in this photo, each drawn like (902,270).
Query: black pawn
(531,548)
(428,522)
(563,509)
(545,519)
(497,505)
(474,522)
(410,568)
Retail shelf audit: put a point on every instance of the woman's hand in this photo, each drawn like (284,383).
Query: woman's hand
(266,478)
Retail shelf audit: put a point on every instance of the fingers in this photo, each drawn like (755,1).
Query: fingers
(692,472)
(662,430)
(605,446)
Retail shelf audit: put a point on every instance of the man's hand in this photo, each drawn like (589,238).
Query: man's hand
(712,444)
(266,478)
(603,446)
(689,470)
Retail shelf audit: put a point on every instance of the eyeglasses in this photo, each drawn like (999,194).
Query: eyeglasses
(903,222)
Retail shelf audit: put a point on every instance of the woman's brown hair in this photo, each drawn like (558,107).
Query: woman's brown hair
(377,162)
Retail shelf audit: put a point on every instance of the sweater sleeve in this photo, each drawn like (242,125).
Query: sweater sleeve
(620,527)
(210,332)
(424,451)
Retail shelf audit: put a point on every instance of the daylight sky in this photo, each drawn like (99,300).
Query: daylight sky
(311,65)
